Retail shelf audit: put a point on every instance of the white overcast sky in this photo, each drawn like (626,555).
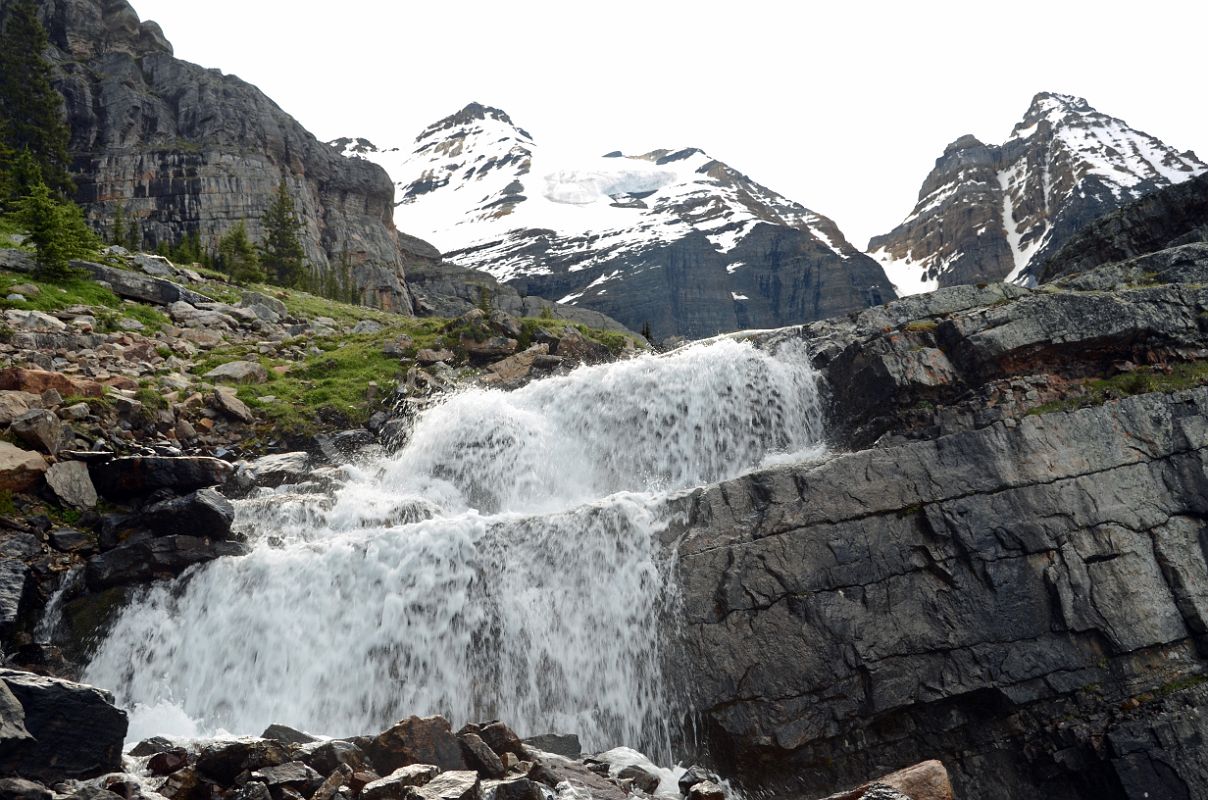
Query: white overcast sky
(842,106)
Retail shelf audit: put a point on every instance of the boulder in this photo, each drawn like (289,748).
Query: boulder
(33,321)
(706,790)
(427,356)
(77,731)
(12,718)
(517,788)
(574,346)
(517,367)
(239,372)
(21,789)
(223,762)
(168,761)
(40,429)
(336,781)
(20,469)
(502,739)
(286,734)
(490,348)
(452,785)
(646,780)
(480,757)
(330,755)
(417,740)
(153,559)
(226,401)
(367,326)
(149,747)
(271,471)
(202,513)
(14,592)
(15,403)
(132,476)
(397,785)
(562,744)
(72,484)
(137,286)
(66,540)
(36,381)
(294,774)
(925,781)
(692,776)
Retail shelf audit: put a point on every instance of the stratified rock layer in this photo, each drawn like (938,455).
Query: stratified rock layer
(1011,587)
(189,151)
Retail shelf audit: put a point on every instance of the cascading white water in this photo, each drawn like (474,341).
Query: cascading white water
(505,563)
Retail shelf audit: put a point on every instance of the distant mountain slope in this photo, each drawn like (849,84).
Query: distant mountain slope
(184,150)
(670,238)
(995,212)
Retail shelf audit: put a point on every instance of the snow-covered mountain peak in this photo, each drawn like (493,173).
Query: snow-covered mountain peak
(991,212)
(573,226)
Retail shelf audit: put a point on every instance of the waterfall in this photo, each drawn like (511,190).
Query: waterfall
(506,563)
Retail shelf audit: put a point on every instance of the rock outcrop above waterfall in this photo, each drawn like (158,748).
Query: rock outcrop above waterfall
(1167,218)
(1007,572)
(672,238)
(186,151)
(996,212)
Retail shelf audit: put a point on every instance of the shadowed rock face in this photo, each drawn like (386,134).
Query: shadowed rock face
(1167,218)
(186,150)
(1015,590)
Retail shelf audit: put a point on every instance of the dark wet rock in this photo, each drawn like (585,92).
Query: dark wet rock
(224,761)
(643,779)
(168,761)
(22,789)
(66,540)
(518,788)
(77,732)
(327,757)
(149,747)
(288,735)
(294,774)
(15,585)
(692,776)
(132,476)
(152,559)
(398,784)
(344,445)
(12,718)
(204,513)
(852,599)
(500,738)
(269,472)
(562,744)
(417,740)
(478,756)
(188,783)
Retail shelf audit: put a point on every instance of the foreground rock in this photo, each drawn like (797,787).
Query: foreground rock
(74,731)
(132,476)
(926,781)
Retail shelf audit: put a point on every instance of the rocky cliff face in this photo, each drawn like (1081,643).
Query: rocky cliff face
(186,150)
(995,212)
(672,238)
(1167,218)
(992,574)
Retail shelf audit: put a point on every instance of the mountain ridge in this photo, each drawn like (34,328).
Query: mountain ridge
(671,238)
(994,212)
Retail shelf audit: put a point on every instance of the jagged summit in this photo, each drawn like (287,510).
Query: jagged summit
(995,212)
(581,229)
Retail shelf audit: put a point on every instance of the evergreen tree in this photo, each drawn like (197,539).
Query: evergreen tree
(281,254)
(56,229)
(117,235)
(31,115)
(134,237)
(237,256)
